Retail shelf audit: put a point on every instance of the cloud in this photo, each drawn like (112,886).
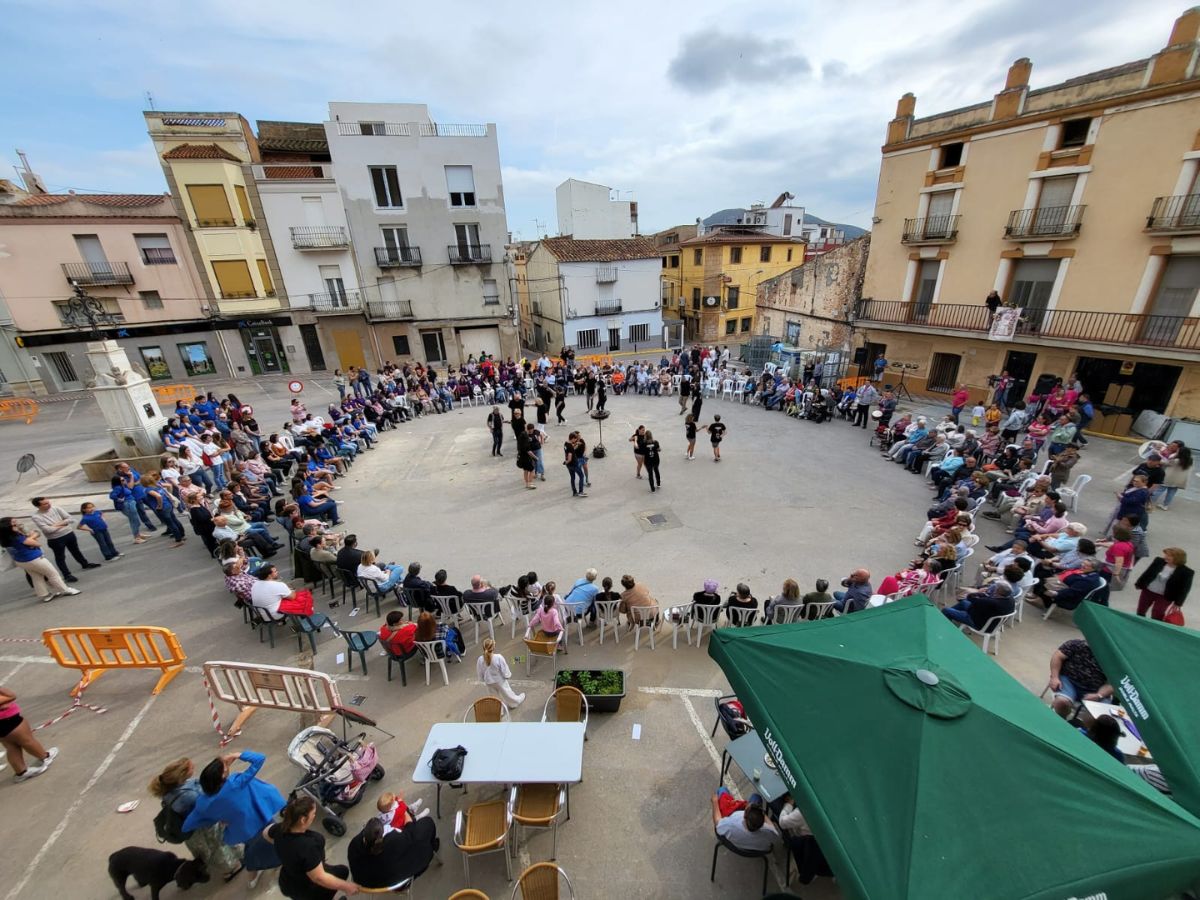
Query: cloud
(712,59)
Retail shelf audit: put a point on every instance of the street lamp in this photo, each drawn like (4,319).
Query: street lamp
(84,311)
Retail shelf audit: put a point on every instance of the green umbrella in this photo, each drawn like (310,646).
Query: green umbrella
(926,772)
(1153,667)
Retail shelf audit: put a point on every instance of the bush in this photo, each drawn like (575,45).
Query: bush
(593,682)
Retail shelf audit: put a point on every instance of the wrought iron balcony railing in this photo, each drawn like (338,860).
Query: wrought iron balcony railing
(930,230)
(606,274)
(389,309)
(390,257)
(88,273)
(608,307)
(335,301)
(319,237)
(1174,214)
(462,254)
(1046,222)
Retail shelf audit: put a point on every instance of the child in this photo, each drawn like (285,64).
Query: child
(716,432)
(92,520)
(395,813)
(689,430)
(992,416)
(977,414)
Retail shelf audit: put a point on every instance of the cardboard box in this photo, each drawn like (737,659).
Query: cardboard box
(1110,395)
(1125,396)
(1123,425)
(1098,425)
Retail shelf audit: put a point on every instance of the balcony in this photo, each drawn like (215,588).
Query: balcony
(392,257)
(608,307)
(1175,215)
(438,129)
(389,309)
(248,304)
(96,273)
(466,254)
(932,230)
(376,129)
(606,275)
(1045,223)
(536,305)
(216,223)
(1068,325)
(342,301)
(300,171)
(320,237)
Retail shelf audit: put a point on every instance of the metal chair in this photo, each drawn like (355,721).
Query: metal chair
(537,806)
(483,828)
(608,617)
(429,652)
(644,617)
(764,855)
(705,615)
(540,882)
(786,615)
(469,894)
(569,706)
(680,617)
(357,642)
(400,887)
(486,709)
(547,649)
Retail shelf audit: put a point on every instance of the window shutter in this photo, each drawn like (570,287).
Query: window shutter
(210,203)
(233,278)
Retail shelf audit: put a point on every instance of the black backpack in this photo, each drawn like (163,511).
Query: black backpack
(447,764)
(168,826)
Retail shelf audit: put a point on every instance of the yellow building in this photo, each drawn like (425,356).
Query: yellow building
(717,277)
(1078,204)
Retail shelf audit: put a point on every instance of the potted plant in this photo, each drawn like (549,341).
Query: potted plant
(604,689)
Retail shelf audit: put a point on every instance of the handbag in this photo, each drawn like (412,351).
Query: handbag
(300,604)
(1174,616)
(447,764)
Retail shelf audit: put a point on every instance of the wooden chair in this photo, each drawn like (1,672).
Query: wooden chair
(547,649)
(469,894)
(608,617)
(487,709)
(483,828)
(569,706)
(537,806)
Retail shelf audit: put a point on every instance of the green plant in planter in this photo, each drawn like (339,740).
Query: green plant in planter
(593,683)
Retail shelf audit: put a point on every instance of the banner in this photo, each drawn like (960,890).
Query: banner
(1004,323)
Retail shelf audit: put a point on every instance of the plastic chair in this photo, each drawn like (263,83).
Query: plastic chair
(739,617)
(408,598)
(540,882)
(680,617)
(727,389)
(1101,587)
(262,623)
(445,609)
(739,390)
(357,642)
(308,626)
(572,614)
(349,583)
(486,709)
(646,617)
(401,658)
(429,650)
(329,576)
(814,611)
(764,855)
(569,706)
(537,806)
(705,615)
(483,828)
(484,613)
(1018,595)
(515,609)
(371,592)
(991,630)
(608,617)
(1070,495)
(786,615)
(547,649)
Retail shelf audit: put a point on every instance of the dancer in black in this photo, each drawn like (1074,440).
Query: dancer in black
(652,455)
(638,439)
(716,433)
(560,401)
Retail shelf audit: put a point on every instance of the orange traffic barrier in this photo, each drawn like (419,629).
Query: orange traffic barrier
(95,651)
(170,393)
(19,408)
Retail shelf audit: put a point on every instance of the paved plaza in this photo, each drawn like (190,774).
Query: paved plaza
(789,499)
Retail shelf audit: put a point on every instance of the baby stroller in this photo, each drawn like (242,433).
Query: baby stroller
(336,772)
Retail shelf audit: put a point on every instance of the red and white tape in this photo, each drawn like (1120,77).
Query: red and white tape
(216,719)
(77,703)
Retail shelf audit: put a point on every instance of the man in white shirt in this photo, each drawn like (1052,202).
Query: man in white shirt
(268,592)
(747,829)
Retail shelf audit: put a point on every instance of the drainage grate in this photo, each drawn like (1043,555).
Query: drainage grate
(656,520)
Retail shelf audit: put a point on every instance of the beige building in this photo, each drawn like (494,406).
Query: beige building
(126,252)
(1078,204)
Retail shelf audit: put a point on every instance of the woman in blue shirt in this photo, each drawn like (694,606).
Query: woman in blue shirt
(242,802)
(27,555)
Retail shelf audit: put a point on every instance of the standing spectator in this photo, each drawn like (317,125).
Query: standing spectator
(1177,460)
(958,401)
(526,457)
(1164,585)
(161,504)
(58,527)
(865,398)
(652,457)
(363,382)
(716,433)
(339,382)
(92,521)
(881,364)
(242,802)
(26,553)
(495,424)
(177,788)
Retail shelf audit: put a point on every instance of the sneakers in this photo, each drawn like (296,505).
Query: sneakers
(51,755)
(35,771)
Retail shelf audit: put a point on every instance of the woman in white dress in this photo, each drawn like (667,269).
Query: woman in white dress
(492,669)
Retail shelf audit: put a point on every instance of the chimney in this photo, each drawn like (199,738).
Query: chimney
(1177,61)
(1010,102)
(899,127)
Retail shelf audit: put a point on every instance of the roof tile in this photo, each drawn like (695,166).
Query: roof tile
(567,249)
(199,151)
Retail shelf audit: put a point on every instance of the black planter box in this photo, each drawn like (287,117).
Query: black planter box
(599,702)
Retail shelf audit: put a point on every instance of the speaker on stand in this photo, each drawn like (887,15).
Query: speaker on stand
(902,392)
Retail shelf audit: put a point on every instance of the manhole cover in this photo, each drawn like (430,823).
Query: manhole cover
(657,520)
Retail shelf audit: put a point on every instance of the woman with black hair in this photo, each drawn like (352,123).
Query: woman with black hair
(303,874)
(379,860)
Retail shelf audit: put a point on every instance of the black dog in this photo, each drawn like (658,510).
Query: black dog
(155,868)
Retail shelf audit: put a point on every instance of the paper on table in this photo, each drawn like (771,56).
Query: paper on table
(637,731)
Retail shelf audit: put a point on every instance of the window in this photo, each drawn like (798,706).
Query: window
(386,182)
(335,288)
(370,128)
(927,277)
(735,255)
(1074,133)
(789,259)
(196,360)
(787,225)
(155,249)
(210,205)
(1032,284)
(695,298)
(460,182)
(639,334)
(264,274)
(243,204)
(150,300)
(435,346)
(63,368)
(395,239)
(400,345)
(943,372)
(664,262)
(731,326)
(675,261)
(731,297)
(466,236)
(671,239)
(698,257)
(491,292)
(1173,301)
(950,155)
(764,253)
(233,278)
(746,325)
(155,362)
(589,339)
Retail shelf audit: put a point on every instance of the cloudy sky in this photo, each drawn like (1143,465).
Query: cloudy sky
(689,107)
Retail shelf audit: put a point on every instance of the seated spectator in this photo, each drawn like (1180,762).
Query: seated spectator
(398,635)
(1076,587)
(789,595)
(913,580)
(635,596)
(268,592)
(546,624)
(421,589)
(607,593)
(1002,560)
(583,592)
(430,629)
(857,594)
(349,556)
(1075,675)
(1105,732)
(319,552)
(708,596)
(744,825)
(483,594)
(741,599)
(238,581)
(820,595)
(385,577)
(264,546)
(1057,567)
(442,589)
(378,860)
(979,607)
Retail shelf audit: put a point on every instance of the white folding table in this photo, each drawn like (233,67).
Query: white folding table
(507,753)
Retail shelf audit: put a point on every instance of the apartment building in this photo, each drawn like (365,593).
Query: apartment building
(207,158)
(424,203)
(1077,202)
(128,255)
(595,296)
(589,211)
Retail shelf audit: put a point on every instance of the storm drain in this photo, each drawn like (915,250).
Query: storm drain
(656,520)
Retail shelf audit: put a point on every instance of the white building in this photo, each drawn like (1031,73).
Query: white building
(425,206)
(596,296)
(588,211)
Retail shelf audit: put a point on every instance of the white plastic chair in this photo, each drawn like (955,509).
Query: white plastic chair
(429,652)
(608,617)
(705,615)
(991,630)
(739,389)
(727,389)
(478,613)
(644,617)
(787,615)
(815,611)
(1050,606)
(737,617)
(1070,495)
(446,611)
(1018,599)
(676,380)
(971,540)
(515,609)
(574,611)
(680,617)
